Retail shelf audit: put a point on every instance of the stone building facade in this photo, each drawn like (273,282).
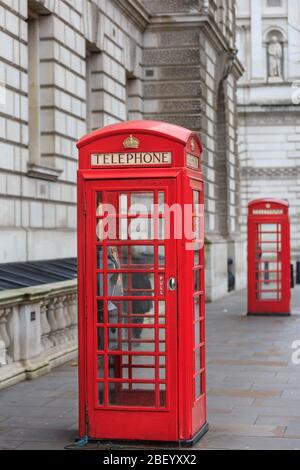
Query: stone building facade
(269,105)
(68,67)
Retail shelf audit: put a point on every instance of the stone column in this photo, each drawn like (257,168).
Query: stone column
(34,90)
(30,329)
(257,52)
(293,37)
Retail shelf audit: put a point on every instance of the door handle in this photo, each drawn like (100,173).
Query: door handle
(172,284)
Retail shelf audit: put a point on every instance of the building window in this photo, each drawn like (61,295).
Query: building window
(37,167)
(34,89)
(94,88)
(88,82)
(274,3)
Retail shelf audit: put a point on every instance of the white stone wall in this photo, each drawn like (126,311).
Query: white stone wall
(69,67)
(190,80)
(37,188)
(269,113)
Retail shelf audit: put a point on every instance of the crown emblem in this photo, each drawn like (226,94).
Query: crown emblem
(268,205)
(193,145)
(131,142)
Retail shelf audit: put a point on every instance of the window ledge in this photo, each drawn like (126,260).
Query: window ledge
(43,172)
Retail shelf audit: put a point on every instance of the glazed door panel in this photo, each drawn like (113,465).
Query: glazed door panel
(269,266)
(131,314)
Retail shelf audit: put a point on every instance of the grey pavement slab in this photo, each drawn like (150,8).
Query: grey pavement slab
(253,388)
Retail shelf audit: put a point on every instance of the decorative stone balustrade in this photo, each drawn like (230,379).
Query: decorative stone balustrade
(38,330)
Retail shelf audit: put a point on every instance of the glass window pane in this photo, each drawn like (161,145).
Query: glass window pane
(197,333)
(267,295)
(197,280)
(100,393)
(268,227)
(133,367)
(131,339)
(268,286)
(162,395)
(100,291)
(132,256)
(123,202)
(162,308)
(123,231)
(99,206)
(161,229)
(100,371)
(131,311)
(141,229)
(196,308)
(196,257)
(269,266)
(161,202)
(162,334)
(133,394)
(269,246)
(197,360)
(141,255)
(161,255)
(268,275)
(196,197)
(162,346)
(143,373)
(197,228)
(141,203)
(139,284)
(268,237)
(162,311)
(99,257)
(162,373)
(162,360)
(198,391)
(100,339)
(100,311)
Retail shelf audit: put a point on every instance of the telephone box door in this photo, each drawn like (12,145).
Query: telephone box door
(131,317)
(269,266)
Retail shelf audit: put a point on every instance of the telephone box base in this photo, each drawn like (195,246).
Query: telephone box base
(181,443)
(268,314)
(196,438)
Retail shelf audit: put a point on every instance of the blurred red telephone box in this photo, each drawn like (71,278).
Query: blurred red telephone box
(140,285)
(269,285)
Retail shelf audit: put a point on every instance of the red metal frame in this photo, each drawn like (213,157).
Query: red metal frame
(269,289)
(182,416)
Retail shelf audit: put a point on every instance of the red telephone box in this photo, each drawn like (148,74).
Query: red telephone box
(141,284)
(269,288)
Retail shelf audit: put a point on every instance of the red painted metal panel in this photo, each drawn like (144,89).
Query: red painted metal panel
(119,398)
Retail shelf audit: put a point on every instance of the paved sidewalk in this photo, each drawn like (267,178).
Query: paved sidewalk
(253,389)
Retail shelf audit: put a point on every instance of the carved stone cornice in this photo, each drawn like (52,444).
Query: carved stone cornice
(200,21)
(135,11)
(270,173)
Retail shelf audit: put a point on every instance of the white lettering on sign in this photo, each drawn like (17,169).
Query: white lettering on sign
(192,160)
(139,158)
(267,212)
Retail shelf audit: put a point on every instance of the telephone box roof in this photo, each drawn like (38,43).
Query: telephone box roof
(171,131)
(268,200)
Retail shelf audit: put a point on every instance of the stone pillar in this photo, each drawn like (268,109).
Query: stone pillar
(30,328)
(293,37)
(257,51)
(34,90)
